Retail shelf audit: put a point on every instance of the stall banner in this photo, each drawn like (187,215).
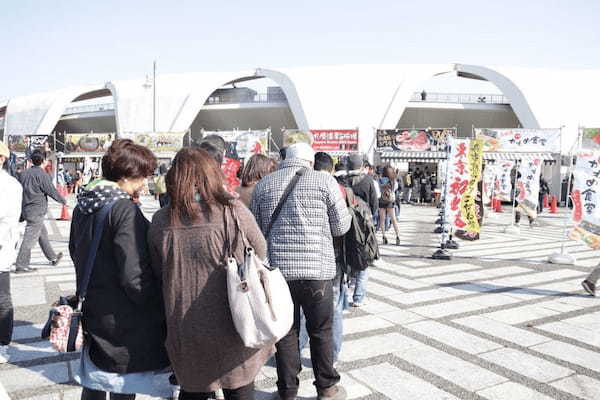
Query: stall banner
(243,144)
(503,182)
(414,139)
(526,140)
(586,199)
(293,136)
(88,142)
(489,178)
(27,143)
(591,138)
(528,185)
(465,161)
(335,140)
(160,142)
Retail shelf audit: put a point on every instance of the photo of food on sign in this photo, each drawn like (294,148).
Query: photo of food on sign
(591,138)
(414,139)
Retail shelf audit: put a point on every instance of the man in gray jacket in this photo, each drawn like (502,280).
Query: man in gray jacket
(37,186)
(300,244)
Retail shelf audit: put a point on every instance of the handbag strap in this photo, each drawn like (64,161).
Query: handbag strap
(238,229)
(98,228)
(288,190)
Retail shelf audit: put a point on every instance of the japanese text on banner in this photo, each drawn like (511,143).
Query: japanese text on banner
(469,209)
(503,183)
(528,186)
(586,199)
(537,140)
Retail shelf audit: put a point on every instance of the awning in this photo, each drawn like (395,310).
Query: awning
(417,156)
(436,156)
(511,156)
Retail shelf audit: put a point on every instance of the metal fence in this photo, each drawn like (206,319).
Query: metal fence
(461,98)
(90,108)
(244,99)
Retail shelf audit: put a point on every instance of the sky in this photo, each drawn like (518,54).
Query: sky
(53,44)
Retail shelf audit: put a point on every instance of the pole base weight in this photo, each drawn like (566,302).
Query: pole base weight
(561,258)
(512,229)
(441,254)
(451,244)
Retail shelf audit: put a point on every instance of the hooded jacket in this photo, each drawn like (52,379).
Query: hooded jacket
(123,313)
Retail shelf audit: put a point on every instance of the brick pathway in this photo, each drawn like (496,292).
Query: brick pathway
(494,323)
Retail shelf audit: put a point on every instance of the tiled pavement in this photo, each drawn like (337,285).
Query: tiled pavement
(493,323)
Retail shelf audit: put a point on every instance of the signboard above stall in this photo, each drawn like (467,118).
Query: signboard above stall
(414,139)
(335,140)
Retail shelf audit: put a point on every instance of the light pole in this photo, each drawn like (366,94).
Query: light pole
(154,96)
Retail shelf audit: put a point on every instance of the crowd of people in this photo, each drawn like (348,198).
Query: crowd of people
(157,297)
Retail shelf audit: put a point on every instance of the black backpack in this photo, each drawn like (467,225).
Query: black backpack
(360,242)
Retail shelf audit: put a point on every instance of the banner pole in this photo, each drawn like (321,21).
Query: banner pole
(563,257)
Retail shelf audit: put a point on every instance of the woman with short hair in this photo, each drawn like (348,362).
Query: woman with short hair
(123,315)
(190,240)
(257,167)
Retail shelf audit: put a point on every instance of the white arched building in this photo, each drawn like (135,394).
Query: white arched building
(321,97)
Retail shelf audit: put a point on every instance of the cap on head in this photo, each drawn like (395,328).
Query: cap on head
(4,151)
(301,151)
(355,162)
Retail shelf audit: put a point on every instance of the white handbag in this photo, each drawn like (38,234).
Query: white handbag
(259,297)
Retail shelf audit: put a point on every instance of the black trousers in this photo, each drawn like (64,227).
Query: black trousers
(6,309)
(242,393)
(91,394)
(316,300)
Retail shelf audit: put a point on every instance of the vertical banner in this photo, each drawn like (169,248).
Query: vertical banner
(464,173)
(528,186)
(586,199)
(503,183)
(489,178)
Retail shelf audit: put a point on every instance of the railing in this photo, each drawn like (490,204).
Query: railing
(244,99)
(461,98)
(90,108)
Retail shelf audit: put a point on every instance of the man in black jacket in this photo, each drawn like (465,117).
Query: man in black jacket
(37,186)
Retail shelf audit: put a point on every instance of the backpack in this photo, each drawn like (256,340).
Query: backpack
(360,242)
(387,193)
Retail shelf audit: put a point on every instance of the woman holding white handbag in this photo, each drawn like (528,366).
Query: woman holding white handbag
(189,245)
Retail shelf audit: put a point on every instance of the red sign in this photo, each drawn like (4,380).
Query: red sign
(335,139)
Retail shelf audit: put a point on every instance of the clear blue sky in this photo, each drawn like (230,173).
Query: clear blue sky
(52,44)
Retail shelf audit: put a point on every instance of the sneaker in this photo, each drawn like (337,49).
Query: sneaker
(385,241)
(24,270)
(589,287)
(336,392)
(55,262)
(397,241)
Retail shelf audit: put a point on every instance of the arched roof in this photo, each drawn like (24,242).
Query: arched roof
(38,114)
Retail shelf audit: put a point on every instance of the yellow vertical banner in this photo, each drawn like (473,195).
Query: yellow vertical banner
(468,206)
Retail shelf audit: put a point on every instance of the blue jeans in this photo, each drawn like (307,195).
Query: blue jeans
(360,286)
(340,303)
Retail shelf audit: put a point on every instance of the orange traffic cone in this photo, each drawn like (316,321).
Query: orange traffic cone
(546,202)
(64,214)
(554,206)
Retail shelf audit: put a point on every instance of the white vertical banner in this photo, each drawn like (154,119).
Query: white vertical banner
(528,185)
(489,178)
(503,182)
(586,199)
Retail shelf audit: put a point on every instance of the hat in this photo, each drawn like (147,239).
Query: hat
(302,151)
(355,162)
(4,151)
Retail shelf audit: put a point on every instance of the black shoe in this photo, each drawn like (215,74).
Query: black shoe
(397,241)
(385,241)
(55,262)
(589,287)
(23,270)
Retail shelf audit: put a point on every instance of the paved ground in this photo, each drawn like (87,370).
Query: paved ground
(494,323)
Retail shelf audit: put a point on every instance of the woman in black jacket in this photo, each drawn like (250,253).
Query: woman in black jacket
(123,315)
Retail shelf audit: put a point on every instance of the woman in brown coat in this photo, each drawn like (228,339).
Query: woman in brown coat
(257,167)
(189,247)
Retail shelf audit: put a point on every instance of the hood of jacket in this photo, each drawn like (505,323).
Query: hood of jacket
(97,194)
